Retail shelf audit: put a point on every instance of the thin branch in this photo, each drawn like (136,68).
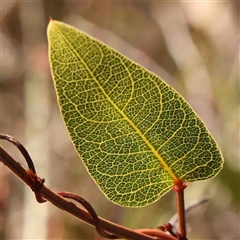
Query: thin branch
(71,208)
(38,182)
(21,148)
(174,219)
(179,187)
(91,211)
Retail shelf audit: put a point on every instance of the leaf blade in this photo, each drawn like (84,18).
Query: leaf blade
(134,133)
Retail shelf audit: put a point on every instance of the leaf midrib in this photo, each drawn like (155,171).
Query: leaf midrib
(154,151)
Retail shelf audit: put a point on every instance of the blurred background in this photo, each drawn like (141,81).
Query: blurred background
(193,46)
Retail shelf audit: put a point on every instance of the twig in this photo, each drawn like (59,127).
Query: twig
(28,177)
(179,187)
(174,219)
(36,181)
(21,148)
(91,211)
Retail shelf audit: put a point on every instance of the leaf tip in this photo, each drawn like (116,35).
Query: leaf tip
(50,24)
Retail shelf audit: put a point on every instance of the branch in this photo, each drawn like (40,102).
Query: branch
(179,187)
(43,193)
(174,219)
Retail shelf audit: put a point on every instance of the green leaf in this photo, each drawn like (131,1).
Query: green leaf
(134,133)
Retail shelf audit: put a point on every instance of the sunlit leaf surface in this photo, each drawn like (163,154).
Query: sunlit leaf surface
(134,133)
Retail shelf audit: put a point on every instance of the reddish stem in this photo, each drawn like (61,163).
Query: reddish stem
(179,187)
(74,210)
